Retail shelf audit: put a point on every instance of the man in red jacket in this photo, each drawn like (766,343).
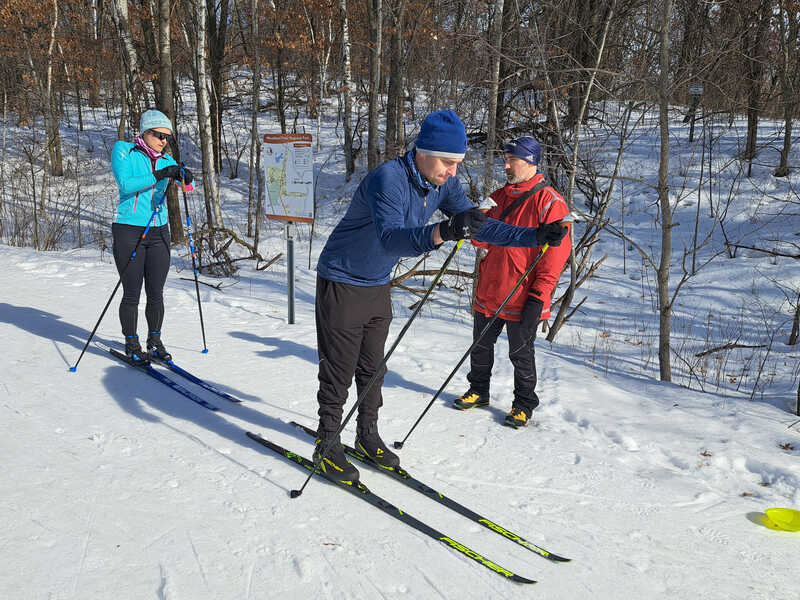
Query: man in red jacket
(527,201)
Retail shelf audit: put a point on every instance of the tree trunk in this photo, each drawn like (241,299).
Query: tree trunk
(395,139)
(254,137)
(136,89)
(373,143)
(167,106)
(217,38)
(788,73)
(755,60)
(567,301)
(664,306)
(347,94)
(277,84)
(202,85)
(494,41)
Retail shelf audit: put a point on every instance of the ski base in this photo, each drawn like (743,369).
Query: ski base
(163,379)
(195,379)
(404,477)
(359,490)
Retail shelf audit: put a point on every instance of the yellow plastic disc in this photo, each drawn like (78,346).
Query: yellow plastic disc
(787,519)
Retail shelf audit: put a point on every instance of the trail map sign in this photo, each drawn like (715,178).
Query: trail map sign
(288,161)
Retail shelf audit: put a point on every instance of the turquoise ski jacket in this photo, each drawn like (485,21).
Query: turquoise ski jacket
(138,190)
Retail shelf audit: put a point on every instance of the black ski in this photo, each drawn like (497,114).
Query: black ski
(404,477)
(195,379)
(359,490)
(163,379)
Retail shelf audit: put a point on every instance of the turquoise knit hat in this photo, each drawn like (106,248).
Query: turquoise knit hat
(154,119)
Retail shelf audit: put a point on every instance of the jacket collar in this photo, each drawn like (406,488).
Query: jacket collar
(515,189)
(410,163)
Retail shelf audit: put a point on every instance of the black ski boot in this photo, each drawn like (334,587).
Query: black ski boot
(133,350)
(335,465)
(369,443)
(155,347)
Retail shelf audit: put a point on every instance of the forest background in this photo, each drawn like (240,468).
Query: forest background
(586,78)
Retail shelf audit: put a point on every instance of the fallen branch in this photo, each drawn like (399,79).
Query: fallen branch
(269,262)
(770,252)
(730,346)
(218,286)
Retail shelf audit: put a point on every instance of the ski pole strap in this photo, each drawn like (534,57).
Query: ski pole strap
(539,186)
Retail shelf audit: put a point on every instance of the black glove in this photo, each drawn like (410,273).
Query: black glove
(550,233)
(462,225)
(187,176)
(531,315)
(172,171)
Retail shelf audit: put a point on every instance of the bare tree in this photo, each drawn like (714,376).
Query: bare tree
(662,274)
(255,142)
(395,139)
(195,30)
(347,93)
(789,74)
(376,23)
(494,40)
(135,86)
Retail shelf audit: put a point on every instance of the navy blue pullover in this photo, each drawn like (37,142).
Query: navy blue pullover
(386,220)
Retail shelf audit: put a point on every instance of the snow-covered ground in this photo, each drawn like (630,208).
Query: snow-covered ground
(115,486)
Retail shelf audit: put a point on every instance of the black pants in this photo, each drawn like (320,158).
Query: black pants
(352,326)
(521,336)
(149,266)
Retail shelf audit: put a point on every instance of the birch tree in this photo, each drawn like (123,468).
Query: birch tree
(195,33)
(347,93)
(135,86)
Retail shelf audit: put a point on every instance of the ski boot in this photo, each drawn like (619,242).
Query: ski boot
(369,443)
(133,350)
(334,465)
(517,418)
(471,399)
(155,347)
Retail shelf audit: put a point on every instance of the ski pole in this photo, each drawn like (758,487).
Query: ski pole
(194,264)
(373,379)
(150,222)
(398,445)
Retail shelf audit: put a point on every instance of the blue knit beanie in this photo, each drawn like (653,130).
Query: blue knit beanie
(526,148)
(442,134)
(154,119)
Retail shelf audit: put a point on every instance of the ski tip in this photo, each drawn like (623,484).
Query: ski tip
(73,369)
(398,445)
(557,558)
(205,351)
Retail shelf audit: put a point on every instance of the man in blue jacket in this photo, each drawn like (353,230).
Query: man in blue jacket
(387,219)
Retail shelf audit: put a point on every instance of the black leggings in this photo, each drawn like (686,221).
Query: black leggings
(150,265)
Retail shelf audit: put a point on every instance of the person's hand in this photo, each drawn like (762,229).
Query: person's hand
(187,176)
(531,315)
(550,234)
(172,171)
(462,225)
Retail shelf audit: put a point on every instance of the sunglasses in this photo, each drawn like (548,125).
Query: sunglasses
(161,136)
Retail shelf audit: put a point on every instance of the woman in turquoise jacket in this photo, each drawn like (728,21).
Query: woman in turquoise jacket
(143,171)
